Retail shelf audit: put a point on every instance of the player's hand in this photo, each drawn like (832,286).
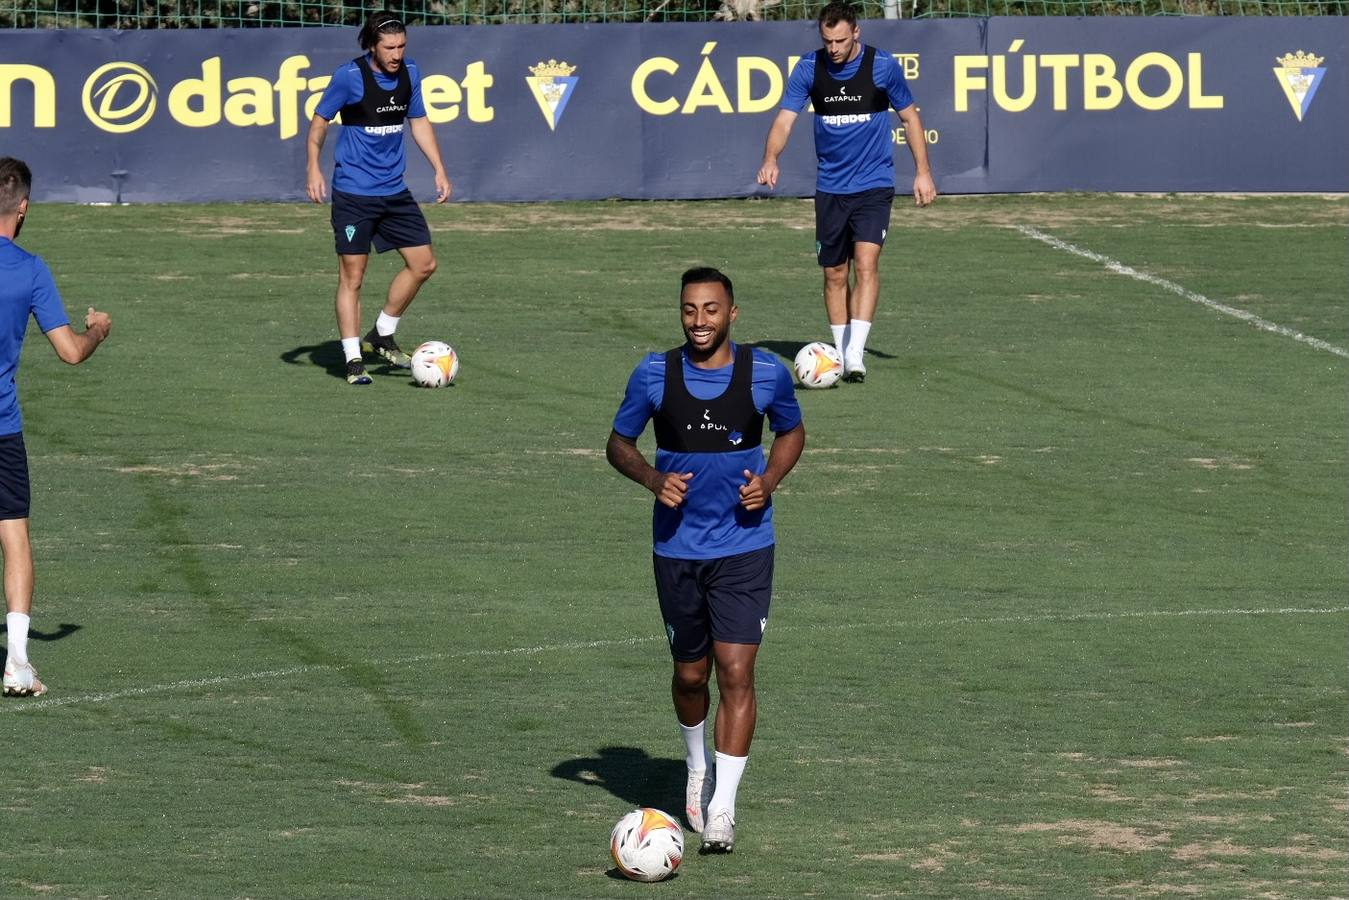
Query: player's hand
(754,493)
(768,174)
(315,187)
(101,321)
(443,188)
(924,189)
(671,488)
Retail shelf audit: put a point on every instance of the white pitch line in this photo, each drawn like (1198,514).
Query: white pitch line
(19,705)
(1120,268)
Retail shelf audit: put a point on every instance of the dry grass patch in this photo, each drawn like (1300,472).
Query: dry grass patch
(1209,849)
(1098,835)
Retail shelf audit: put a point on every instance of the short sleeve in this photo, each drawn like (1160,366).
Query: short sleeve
(775,393)
(337,94)
(47,307)
(636,409)
(889,75)
(799,83)
(416,107)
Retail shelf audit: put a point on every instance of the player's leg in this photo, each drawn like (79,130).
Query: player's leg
(689,689)
(350,277)
(19,677)
(684,612)
(353,219)
(739,594)
(833,251)
(402,227)
(419,264)
(869,222)
(737,713)
(862,308)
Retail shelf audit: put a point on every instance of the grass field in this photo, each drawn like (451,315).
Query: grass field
(1062,602)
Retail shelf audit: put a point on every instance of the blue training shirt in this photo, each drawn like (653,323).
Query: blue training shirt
(710,523)
(26,288)
(369,162)
(857,156)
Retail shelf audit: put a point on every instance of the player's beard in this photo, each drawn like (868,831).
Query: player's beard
(720,337)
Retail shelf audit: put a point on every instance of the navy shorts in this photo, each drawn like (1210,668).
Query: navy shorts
(842,220)
(14,493)
(390,222)
(705,600)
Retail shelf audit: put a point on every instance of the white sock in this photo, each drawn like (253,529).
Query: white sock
(840,337)
(16,627)
(351,348)
(695,743)
(729,770)
(386,324)
(857,339)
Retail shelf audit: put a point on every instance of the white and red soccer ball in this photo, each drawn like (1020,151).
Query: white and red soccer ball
(434,364)
(647,845)
(818,365)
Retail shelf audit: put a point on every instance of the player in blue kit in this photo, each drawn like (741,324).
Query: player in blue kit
(852,87)
(713,525)
(26,289)
(376,94)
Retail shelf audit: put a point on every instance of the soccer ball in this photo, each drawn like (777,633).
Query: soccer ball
(818,365)
(434,364)
(647,845)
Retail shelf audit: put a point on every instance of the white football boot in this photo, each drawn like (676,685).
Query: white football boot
(697,792)
(21,680)
(719,833)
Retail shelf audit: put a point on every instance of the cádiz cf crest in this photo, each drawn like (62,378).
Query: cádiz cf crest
(552,84)
(1300,74)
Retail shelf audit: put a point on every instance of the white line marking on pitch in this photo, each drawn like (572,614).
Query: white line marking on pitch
(1120,268)
(17,706)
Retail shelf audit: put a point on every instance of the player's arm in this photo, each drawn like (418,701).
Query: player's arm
(315,186)
(76,348)
(775,143)
(425,137)
(924,188)
(623,455)
(786,450)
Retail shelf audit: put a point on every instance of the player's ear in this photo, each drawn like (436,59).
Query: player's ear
(735,311)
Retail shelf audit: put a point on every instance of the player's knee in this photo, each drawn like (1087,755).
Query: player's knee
(424,269)
(736,677)
(689,680)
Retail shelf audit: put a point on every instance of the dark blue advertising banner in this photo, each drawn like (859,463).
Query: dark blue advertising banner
(535,112)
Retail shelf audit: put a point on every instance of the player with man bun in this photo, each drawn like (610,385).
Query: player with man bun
(376,93)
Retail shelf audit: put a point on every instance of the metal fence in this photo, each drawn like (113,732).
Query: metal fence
(264,14)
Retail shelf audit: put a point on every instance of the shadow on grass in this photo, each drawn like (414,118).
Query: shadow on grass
(64,630)
(632,776)
(788,349)
(329,357)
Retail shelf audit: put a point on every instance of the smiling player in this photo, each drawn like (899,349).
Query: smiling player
(713,525)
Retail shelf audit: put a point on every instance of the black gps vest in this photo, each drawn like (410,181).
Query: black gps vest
(377,105)
(724,424)
(858,94)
